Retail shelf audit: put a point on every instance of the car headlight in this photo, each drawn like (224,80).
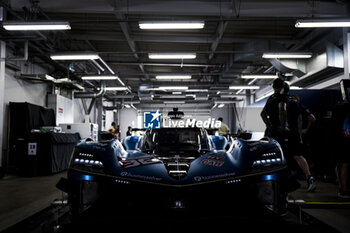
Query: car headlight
(85,159)
(269,159)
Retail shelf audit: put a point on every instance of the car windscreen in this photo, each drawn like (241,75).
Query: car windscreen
(185,138)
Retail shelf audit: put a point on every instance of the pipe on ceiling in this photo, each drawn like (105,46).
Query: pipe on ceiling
(85,95)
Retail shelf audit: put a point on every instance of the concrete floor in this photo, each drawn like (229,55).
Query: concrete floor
(24,196)
(324,205)
(21,197)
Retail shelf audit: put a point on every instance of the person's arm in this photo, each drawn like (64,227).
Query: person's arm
(282,107)
(264,117)
(311,120)
(300,126)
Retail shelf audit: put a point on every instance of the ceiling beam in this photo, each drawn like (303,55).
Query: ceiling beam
(125,28)
(254,8)
(185,39)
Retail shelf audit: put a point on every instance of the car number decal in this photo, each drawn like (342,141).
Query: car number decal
(215,161)
(211,162)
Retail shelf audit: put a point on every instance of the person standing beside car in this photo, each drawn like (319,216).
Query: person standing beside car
(223,130)
(273,114)
(294,126)
(341,139)
(113,130)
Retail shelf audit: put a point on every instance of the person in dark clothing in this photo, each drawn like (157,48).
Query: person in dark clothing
(341,141)
(129,133)
(309,120)
(273,113)
(307,117)
(294,125)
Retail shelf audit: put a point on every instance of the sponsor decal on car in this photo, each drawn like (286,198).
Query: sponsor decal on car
(143,177)
(219,176)
(137,162)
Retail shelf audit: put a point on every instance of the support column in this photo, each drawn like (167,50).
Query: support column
(346,52)
(248,97)
(2,95)
(99,113)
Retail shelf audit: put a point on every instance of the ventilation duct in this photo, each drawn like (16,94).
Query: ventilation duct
(85,95)
(318,68)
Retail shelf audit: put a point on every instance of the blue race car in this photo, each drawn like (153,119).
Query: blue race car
(176,168)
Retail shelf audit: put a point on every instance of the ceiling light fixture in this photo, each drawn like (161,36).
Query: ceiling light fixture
(197,90)
(259,76)
(35,25)
(322,23)
(173,77)
(244,87)
(174,102)
(116,88)
(78,86)
(100,77)
(172,55)
(173,88)
(288,55)
(295,88)
(169,25)
(75,56)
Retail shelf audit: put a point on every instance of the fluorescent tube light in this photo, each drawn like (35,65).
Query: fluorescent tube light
(75,56)
(62,80)
(172,25)
(264,96)
(35,25)
(225,102)
(197,90)
(322,23)
(173,88)
(174,102)
(221,105)
(174,77)
(244,87)
(100,77)
(287,55)
(116,88)
(172,97)
(49,77)
(294,88)
(172,55)
(78,86)
(259,76)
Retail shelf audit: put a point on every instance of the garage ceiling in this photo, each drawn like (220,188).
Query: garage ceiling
(235,35)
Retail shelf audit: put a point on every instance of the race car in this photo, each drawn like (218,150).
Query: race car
(176,168)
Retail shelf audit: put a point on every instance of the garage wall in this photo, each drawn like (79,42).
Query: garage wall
(127,117)
(17,90)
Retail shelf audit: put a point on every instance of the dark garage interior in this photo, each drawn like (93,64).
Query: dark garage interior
(171,116)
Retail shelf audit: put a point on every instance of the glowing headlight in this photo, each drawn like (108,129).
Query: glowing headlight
(269,154)
(86,159)
(85,155)
(267,162)
(122,181)
(233,181)
(269,158)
